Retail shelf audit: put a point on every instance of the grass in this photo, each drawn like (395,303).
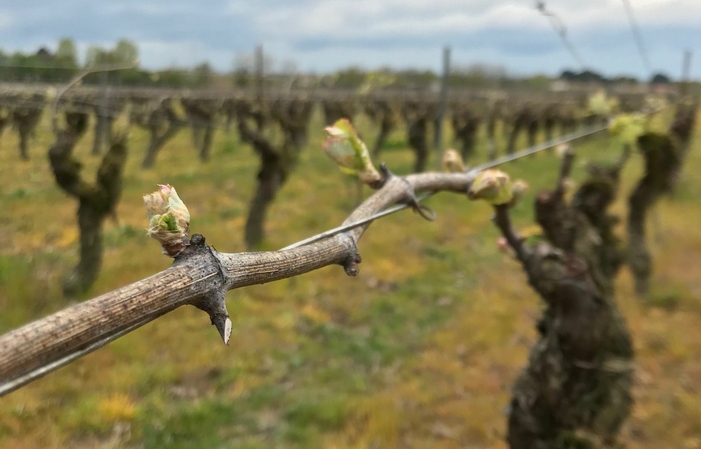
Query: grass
(419,350)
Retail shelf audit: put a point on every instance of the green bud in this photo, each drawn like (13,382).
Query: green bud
(452,162)
(493,186)
(343,145)
(169,219)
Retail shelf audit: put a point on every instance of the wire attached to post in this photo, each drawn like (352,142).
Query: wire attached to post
(559,27)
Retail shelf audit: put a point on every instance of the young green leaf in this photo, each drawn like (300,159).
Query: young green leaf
(628,127)
(343,145)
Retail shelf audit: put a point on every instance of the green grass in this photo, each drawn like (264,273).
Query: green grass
(418,350)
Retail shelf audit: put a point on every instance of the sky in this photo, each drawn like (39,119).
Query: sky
(325,35)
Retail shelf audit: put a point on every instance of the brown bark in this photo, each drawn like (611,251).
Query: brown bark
(524,118)
(276,163)
(228,109)
(336,109)
(95,201)
(681,132)
(662,162)
(202,114)
(293,117)
(105,116)
(163,124)
(4,121)
(269,183)
(575,391)
(532,128)
(568,120)
(550,118)
(465,126)
(417,116)
(25,120)
(99,134)
(385,113)
(494,115)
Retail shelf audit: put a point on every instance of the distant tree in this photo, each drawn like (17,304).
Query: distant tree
(66,53)
(589,76)
(96,55)
(585,76)
(202,74)
(44,55)
(568,75)
(350,78)
(125,52)
(660,78)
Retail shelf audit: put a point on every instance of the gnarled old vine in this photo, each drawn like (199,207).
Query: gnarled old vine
(95,201)
(161,121)
(465,123)
(575,391)
(663,154)
(417,115)
(524,117)
(202,114)
(25,118)
(106,111)
(385,113)
(338,108)
(276,160)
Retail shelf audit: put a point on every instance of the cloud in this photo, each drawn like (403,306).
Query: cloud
(328,34)
(5,19)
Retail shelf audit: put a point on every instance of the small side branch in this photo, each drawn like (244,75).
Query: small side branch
(502,219)
(565,170)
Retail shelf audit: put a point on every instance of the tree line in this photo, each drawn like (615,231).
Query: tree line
(59,66)
(47,66)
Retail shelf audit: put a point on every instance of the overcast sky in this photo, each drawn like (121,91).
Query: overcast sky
(323,35)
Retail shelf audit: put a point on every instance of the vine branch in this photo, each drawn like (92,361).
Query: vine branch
(198,277)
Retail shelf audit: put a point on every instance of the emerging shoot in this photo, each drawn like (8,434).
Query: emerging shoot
(600,104)
(343,145)
(452,162)
(492,186)
(628,127)
(169,219)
